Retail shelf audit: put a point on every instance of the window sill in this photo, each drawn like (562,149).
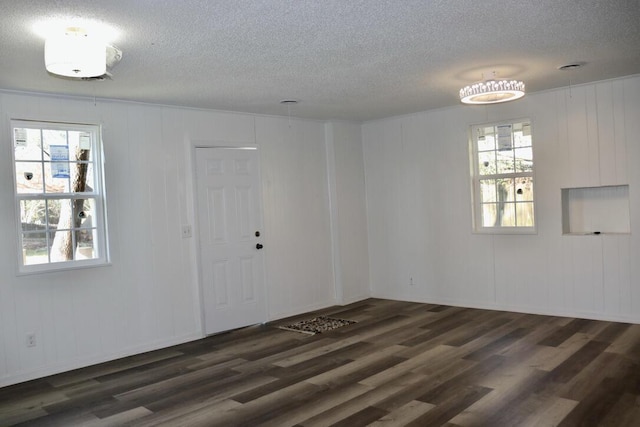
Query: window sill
(507,231)
(62,266)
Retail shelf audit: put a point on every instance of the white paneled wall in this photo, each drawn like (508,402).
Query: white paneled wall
(296,214)
(149,296)
(327,240)
(419,207)
(349,219)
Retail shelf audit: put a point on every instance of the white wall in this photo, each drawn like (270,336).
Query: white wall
(418,221)
(297,238)
(345,163)
(149,297)
(419,208)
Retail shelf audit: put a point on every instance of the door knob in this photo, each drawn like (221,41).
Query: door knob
(259,246)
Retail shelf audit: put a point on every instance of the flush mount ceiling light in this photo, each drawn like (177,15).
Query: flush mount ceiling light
(492,91)
(75,53)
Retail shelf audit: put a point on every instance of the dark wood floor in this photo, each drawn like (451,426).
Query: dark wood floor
(401,364)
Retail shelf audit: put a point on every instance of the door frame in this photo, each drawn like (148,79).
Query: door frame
(192,205)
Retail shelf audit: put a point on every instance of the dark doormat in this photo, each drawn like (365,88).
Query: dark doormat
(317,325)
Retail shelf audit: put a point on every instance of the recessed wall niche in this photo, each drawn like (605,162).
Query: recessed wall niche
(596,210)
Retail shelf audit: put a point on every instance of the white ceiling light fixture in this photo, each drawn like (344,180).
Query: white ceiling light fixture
(75,53)
(492,91)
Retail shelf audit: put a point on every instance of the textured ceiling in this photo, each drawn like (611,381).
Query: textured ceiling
(343,59)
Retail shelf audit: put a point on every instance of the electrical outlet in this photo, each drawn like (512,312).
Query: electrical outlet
(186,231)
(31,340)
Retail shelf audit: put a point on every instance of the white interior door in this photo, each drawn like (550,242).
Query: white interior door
(232,264)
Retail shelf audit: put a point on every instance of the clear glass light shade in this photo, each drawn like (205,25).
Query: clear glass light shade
(74,55)
(492,92)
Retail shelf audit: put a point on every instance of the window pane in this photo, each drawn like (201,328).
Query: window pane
(82,177)
(522,140)
(505,136)
(489,215)
(505,190)
(61,236)
(525,214)
(27,144)
(486,138)
(524,159)
(74,143)
(52,137)
(506,215)
(28,177)
(54,209)
(60,212)
(57,172)
(488,190)
(486,143)
(32,215)
(524,189)
(505,161)
(487,163)
(34,248)
(80,145)
(85,248)
(55,184)
(84,213)
(61,244)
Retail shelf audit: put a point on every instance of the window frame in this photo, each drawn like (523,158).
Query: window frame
(97,195)
(476,178)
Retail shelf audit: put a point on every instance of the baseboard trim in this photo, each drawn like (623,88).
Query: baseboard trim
(301,310)
(45,371)
(543,311)
(351,300)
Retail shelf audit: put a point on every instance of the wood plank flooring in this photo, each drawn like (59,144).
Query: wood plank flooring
(402,364)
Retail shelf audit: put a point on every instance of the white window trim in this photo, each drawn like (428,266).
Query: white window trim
(475,177)
(99,196)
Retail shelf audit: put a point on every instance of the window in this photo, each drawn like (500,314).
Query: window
(59,195)
(502,175)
